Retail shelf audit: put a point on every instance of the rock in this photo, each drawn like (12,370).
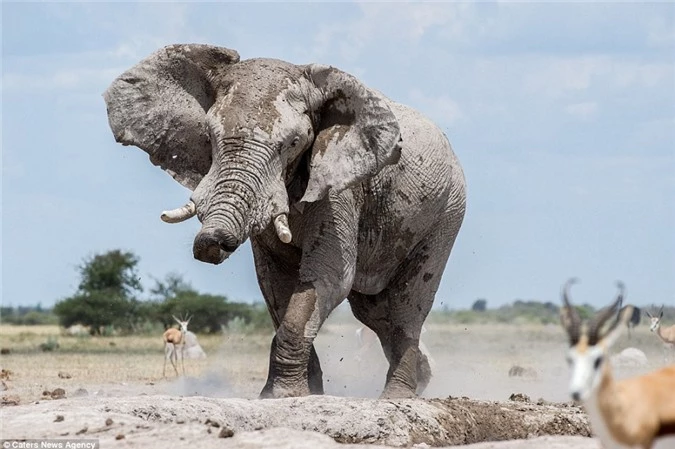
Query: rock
(11,399)
(225,432)
(119,436)
(5,351)
(58,393)
(398,423)
(5,374)
(629,357)
(192,348)
(519,397)
(80,392)
(285,438)
(212,423)
(64,375)
(108,422)
(520,371)
(59,418)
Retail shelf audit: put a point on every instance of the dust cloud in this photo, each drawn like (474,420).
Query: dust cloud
(478,361)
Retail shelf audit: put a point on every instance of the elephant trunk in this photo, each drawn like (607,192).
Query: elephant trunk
(242,194)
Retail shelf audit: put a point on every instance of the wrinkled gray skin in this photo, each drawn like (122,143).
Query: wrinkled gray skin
(374,194)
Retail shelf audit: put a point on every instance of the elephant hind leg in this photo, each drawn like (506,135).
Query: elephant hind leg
(399,311)
(372,311)
(423,373)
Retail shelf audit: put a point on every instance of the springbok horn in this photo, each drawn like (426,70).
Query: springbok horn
(281,226)
(605,314)
(570,315)
(180,214)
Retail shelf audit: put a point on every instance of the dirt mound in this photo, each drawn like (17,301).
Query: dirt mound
(162,419)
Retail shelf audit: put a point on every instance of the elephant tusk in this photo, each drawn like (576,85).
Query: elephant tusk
(180,214)
(281,226)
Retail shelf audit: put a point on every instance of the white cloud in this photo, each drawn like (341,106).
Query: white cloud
(62,79)
(407,22)
(556,76)
(95,69)
(661,32)
(584,111)
(653,132)
(441,108)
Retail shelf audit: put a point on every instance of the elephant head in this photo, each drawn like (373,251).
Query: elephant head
(243,134)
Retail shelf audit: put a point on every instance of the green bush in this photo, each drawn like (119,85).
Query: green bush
(52,344)
(209,313)
(104,300)
(518,312)
(97,310)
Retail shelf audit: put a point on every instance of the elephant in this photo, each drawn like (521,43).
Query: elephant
(343,193)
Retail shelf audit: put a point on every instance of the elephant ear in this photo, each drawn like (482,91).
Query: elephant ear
(357,136)
(160,106)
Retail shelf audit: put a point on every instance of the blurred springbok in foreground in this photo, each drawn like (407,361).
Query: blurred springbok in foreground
(174,341)
(665,334)
(623,414)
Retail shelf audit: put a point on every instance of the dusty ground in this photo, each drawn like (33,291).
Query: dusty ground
(119,379)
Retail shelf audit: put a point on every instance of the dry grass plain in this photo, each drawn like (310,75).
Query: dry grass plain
(469,360)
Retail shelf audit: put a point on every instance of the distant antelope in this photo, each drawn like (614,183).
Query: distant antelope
(667,334)
(623,414)
(174,339)
(634,319)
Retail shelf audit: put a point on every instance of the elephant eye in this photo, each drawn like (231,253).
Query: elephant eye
(295,141)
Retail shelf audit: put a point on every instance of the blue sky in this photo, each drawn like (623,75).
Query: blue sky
(562,114)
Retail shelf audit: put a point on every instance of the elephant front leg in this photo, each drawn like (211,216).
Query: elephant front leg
(314,373)
(294,364)
(326,274)
(277,277)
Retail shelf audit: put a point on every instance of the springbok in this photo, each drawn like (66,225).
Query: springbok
(666,335)
(174,339)
(624,414)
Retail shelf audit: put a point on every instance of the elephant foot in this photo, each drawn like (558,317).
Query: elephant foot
(277,389)
(397,392)
(283,391)
(267,391)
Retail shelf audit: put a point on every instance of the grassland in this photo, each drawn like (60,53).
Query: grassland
(469,360)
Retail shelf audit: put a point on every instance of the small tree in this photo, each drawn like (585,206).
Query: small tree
(480,305)
(174,296)
(105,293)
(113,272)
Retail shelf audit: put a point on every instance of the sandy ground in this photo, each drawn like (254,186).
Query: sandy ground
(471,361)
